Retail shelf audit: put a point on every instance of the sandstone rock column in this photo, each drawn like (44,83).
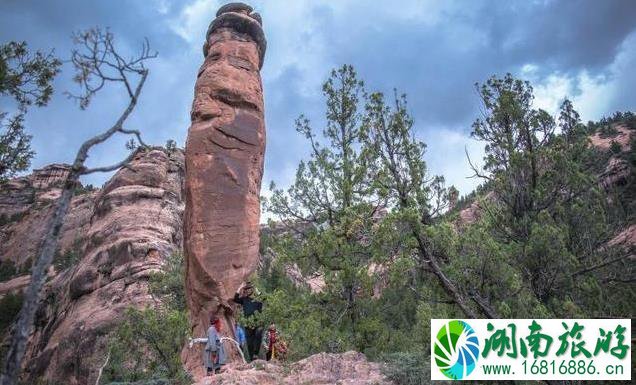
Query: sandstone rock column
(224,165)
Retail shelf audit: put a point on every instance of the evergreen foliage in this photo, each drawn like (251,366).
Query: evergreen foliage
(146,346)
(27,79)
(171,145)
(365,215)
(9,270)
(168,285)
(10,305)
(70,257)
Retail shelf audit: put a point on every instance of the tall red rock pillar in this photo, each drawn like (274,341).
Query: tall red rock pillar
(224,165)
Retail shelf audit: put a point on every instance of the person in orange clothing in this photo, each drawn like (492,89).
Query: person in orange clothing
(271,342)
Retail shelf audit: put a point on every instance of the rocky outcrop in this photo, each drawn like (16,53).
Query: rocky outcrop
(616,173)
(626,240)
(473,213)
(622,136)
(617,170)
(25,207)
(51,175)
(350,368)
(111,241)
(224,166)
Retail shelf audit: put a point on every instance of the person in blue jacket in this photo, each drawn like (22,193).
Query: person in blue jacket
(240,338)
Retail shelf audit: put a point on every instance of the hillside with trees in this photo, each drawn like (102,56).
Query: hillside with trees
(145,279)
(365,216)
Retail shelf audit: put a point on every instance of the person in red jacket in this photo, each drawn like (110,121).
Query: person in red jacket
(214,357)
(270,342)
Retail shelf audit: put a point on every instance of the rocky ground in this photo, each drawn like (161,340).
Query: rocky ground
(350,368)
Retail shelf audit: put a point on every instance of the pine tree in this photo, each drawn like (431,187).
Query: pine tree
(27,79)
(548,212)
(329,207)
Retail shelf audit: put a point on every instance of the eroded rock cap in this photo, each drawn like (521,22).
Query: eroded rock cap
(242,19)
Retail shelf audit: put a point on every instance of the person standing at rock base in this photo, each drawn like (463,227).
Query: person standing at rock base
(253,334)
(269,342)
(239,332)
(214,357)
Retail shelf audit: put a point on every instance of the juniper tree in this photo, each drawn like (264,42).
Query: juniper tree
(26,78)
(414,197)
(329,207)
(548,211)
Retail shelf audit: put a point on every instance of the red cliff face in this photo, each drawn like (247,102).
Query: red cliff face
(224,165)
(118,236)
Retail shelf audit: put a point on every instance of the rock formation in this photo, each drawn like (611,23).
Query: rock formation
(622,137)
(617,171)
(53,174)
(113,239)
(224,166)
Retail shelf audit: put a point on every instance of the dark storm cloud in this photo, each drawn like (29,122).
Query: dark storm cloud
(566,35)
(433,51)
(438,63)
(60,128)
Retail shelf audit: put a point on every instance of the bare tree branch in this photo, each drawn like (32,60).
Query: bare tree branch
(602,264)
(136,133)
(113,167)
(475,169)
(97,61)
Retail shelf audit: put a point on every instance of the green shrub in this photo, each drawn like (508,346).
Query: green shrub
(10,306)
(407,368)
(171,145)
(608,131)
(169,284)
(7,270)
(80,189)
(69,257)
(6,219)
(147,346)
(615,147)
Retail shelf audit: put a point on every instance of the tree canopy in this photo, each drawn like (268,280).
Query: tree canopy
(366,217)
(25,78)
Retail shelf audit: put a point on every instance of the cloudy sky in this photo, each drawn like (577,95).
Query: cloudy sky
(432,50)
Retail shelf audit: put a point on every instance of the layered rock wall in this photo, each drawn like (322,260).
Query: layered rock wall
(224,166)
(117,237)
(50,175)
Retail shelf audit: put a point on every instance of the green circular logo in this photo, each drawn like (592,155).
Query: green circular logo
(456,349)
